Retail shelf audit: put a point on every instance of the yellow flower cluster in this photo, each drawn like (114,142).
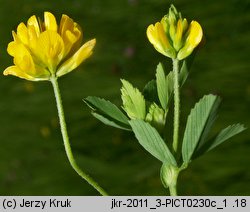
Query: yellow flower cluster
(173,37)
(42,50)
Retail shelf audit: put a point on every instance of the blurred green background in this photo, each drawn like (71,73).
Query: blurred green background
(32,157)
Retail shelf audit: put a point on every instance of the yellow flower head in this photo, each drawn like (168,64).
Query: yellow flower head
(42,50)
(173,36)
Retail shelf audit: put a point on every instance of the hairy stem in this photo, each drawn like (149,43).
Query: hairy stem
(66,139)
(176,104)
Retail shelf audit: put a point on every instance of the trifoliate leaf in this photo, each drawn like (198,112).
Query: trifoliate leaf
(150,139)
(133,101)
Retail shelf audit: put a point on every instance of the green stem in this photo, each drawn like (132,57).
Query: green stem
(173,190)
(173,184)
(66,139)
(176,104)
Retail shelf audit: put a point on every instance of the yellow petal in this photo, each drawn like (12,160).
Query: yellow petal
(14,35)
(73,62)
(71,34)
(22,56)
(177,42)
(24,63)
(152,34)
(33,36)
(158,38)
(15,71)
(50,21)
(34,24)
(23,59)
(12,47)
(195,34)
(66,23)
(49,49)
(165,24)
(22,33)
(162,37)
(69,40)
(193,39)
(153,37)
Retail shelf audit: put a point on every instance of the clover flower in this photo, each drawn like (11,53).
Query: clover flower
(173,36)
(42,50)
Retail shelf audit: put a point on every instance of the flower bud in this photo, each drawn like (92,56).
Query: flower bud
(156,117)
(173,36)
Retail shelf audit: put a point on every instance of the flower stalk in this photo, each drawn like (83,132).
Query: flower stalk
(176,104)
(66,142)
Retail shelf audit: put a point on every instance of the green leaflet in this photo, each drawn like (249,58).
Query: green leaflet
(162,86)
(150,92)
(109,122)
(133,101)
(225,134)
(150,139)
(211,119)
(222,136)
(107,112)
(170,84)
(196,123)
(165,86)
(183,73)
